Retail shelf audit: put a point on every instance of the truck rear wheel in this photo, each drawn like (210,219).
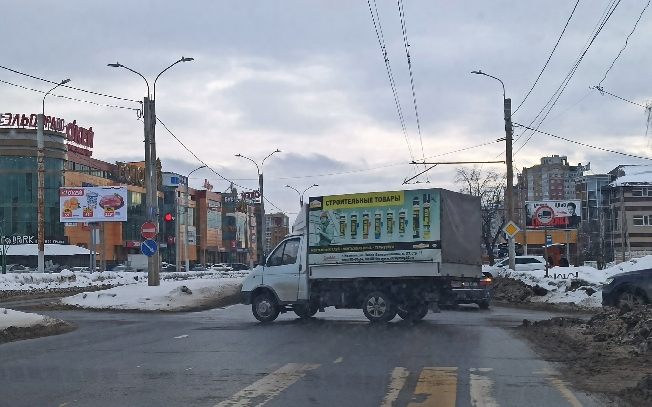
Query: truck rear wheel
(305,311)
(378,308)
(265,308)
(413,312)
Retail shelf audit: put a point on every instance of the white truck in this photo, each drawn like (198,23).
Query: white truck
(388,253)
(137,261)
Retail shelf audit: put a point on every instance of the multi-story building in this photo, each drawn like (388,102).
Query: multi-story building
(553,179)
(277,227)
(629,218)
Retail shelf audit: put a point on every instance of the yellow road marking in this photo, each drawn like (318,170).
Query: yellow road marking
(561,387)
(397,380)
(439,384)
(481,388)
(339,360)
(269,386)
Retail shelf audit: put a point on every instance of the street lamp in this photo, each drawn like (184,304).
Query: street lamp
(40,163)
(262,196)
(151,182)
(301,193)
(185,238)
(507,108)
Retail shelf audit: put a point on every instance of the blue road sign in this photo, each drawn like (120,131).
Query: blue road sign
(548,240)
(149,247)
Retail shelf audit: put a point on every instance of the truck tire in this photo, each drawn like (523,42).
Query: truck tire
(484,304)
(265,308)
(413,312)
(305,311)
(378,308)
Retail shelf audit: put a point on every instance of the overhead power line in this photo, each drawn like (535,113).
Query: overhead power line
(406,44)
(582,144)
(381,41)
(66,97)
(603,91)
(66,86)
(549,57)
(624,45)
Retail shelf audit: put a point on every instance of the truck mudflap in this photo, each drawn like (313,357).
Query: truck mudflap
(244,297)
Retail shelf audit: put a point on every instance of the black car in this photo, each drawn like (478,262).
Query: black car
(633,287)
(239,266)
(473,292)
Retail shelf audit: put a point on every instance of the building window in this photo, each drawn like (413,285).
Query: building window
(642,192)
(642,220)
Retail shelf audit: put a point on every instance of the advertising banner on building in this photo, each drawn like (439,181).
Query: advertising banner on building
(375,227)
(553,214)
(93,204)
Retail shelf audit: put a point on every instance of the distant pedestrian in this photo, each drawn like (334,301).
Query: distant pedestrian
(563,262)
(551,262)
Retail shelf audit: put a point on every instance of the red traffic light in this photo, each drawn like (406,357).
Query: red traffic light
(168,217)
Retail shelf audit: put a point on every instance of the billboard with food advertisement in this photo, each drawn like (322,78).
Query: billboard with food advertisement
(92,204)
(553,214)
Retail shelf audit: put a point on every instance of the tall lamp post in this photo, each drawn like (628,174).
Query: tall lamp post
(509,201)
(262,197)
(185,234)
(151,181)
(301,193)
(40,162)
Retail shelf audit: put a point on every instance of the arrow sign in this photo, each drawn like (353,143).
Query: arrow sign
(148,230)
(149,248)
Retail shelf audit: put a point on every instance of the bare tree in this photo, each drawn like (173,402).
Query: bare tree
(490,187)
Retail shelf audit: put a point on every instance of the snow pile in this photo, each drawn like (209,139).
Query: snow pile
(577,285)
(9,317)
(67,278)
(200,293)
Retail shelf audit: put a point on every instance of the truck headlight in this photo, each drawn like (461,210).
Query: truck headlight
(609,281)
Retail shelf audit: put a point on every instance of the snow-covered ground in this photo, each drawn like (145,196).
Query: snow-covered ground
(169,296)
(9,317)
(559,280)
(67,278)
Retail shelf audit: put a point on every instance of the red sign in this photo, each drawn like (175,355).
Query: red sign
(234,244)
(78,135)
(207,185)
(148,230)
(250,195)
(544,215)
(132,243)
(170,239)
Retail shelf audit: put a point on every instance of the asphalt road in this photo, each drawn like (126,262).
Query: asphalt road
(225,358)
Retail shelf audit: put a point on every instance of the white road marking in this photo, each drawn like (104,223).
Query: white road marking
(269,386)
(397,381)
(339,360)
(481,388)
(181,337)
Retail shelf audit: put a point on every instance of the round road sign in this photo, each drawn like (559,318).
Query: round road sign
(149,248)
(545,215)
(148,230)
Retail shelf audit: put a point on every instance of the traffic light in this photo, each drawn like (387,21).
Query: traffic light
(168,217)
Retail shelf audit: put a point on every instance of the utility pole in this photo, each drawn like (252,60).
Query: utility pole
(177,231)
(509,198)
(40,160)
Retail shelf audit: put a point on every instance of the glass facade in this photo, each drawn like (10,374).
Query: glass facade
(19,195)
(136,216)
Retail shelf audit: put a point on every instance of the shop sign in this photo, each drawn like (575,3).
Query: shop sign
(80,139)
(30,239)
(132,244)
(251,196)
(207,185)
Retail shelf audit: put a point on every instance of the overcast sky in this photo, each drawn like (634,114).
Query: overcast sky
(308,78)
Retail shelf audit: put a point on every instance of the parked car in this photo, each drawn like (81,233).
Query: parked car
(473,292)
(81,269)
(239,266)
(523,263)
(198,267)
(171,268)
(221,267)
(122,267)
(17,268)
(633,287)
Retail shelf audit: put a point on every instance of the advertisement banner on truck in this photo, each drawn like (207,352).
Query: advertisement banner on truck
(92,204)
(553,214)
(375,227)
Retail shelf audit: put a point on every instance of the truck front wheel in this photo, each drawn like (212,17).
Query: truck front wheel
(413,312)
(265,308)
(377,307)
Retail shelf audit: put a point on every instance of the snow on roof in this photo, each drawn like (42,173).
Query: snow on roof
(633,175)
(50,250)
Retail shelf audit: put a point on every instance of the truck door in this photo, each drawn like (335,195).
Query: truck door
(281,271)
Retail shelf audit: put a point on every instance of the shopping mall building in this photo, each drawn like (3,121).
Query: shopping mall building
(221,227)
